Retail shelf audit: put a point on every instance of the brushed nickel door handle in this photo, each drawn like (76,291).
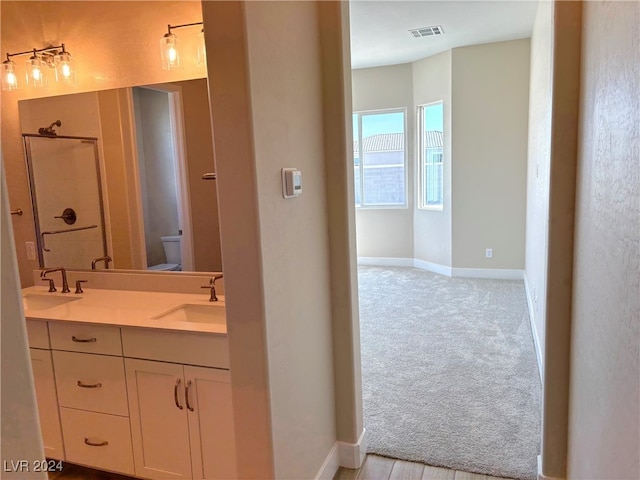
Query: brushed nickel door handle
(85,385)
(175,394)
(186,395)
(83,340)
(92,444)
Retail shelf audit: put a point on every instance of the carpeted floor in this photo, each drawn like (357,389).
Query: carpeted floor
(449,371)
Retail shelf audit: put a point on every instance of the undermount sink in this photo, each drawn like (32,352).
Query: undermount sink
(195,313)
(42,302)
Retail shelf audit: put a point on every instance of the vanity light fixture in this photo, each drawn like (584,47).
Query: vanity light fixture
(37,67)
(170,48)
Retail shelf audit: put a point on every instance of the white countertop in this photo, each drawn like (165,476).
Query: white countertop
(126,308)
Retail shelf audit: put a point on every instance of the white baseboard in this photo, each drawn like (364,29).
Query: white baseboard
(351,455)
(544,477)
(432,267)
(534,330)
(330,465)
(385,261)
(490,273)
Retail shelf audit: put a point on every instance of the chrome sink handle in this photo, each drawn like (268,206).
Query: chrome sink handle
(52,286)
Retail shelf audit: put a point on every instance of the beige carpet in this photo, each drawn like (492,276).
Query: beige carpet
(449,371)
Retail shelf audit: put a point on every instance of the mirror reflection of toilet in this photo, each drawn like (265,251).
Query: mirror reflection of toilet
(171,245)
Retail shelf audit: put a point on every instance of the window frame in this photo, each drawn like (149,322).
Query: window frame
(381,206)
(421,159)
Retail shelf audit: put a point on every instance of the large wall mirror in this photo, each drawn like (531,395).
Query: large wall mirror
(126,174)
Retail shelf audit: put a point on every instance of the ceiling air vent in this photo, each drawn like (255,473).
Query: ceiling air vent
(427,31)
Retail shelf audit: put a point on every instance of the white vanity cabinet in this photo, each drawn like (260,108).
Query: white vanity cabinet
(181,415)
(45,386)
(92,395)
(147,402)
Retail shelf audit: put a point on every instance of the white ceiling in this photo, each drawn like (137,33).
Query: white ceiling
(380,29)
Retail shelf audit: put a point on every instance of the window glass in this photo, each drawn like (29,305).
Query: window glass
(379,158)
(431,155)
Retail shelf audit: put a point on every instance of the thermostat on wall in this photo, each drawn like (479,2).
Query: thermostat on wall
(291,182)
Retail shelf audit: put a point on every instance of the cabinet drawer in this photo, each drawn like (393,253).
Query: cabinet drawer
(38,334)
(178,347)
(97,440)
(83,337)
(91,382)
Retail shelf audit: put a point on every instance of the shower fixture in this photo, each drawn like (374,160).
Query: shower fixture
(49,131)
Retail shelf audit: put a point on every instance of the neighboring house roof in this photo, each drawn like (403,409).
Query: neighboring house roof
(394,142)
(433,139)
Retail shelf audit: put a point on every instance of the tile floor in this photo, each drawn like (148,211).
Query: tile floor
(382,468)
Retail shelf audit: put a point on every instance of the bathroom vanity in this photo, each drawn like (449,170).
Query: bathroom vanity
(133,382)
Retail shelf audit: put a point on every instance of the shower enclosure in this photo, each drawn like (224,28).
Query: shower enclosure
(66,196)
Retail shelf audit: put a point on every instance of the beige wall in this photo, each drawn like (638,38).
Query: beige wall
(119,50)
(484,89)
(538,168)
(202,194)
(489,90)
(386,232)
(286,89)
(432,228)
(21,438)
(604,419)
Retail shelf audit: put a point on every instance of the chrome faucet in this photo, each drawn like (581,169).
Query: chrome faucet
(63,272)
(212,287)
(106,259)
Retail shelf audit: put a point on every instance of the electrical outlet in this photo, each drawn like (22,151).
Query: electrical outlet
(31,250)
(489,253)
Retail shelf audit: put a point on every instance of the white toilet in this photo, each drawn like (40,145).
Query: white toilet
(171,245)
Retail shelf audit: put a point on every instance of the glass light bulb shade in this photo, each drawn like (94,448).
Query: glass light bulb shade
(65,73)
(201,52)
(170,52)
(9,76)
(36,72)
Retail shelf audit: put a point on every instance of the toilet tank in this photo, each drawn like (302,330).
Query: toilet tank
(171,246)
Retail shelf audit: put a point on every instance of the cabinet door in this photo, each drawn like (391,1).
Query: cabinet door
(159,425)
(210,423)
(44,381)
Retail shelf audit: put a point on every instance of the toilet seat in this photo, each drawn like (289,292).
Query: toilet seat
(165,267)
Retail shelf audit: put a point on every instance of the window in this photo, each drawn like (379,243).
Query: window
(379,158)
(430,140)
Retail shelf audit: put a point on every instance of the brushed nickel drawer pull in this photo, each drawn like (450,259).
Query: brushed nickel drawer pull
(175,394)
(186,395)
(84,385)
(91,444)
(83,340)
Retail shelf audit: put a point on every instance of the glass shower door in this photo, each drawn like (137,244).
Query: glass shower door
(66,195)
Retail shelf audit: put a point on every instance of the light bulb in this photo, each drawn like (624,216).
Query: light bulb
(169,52)
(173,54)
(65,72)
(9,77)
(36,76)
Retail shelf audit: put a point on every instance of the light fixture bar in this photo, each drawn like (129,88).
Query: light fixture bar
(172,27)
(34,51)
